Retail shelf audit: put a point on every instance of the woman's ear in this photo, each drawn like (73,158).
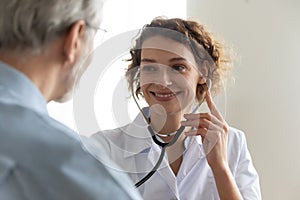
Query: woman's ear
(205,69)
(204,73)
(204,83)
(202,80)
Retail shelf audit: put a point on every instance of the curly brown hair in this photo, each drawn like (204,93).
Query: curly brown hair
(195,36)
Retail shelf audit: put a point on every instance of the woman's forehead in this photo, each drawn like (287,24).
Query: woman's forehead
(160,44)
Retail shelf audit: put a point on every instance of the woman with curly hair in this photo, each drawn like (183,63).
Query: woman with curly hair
(171,150)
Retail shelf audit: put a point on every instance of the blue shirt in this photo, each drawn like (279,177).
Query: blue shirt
(41,158)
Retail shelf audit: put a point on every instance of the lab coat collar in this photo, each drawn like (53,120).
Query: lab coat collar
(139,139)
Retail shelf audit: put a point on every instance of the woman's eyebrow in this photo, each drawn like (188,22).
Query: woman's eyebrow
(148,60)
(171,60)
(177,59)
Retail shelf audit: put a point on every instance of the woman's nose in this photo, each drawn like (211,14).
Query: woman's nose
(164,77)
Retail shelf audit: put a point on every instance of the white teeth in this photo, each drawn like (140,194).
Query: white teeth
(164,95)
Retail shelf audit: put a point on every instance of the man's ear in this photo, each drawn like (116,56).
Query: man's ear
(74,40)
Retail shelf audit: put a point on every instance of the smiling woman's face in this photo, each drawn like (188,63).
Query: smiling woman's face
(168,75)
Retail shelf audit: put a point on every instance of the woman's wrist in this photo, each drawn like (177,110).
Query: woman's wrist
(226,184)
(220,167)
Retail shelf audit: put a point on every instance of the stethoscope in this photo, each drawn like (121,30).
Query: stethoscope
(163,145)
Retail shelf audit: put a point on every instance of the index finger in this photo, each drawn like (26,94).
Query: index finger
(212,107)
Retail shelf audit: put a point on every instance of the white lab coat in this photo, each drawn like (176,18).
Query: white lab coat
(132,148)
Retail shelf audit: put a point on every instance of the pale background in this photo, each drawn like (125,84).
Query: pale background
(264,101)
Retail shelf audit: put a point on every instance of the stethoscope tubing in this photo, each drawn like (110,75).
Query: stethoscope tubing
(163,145)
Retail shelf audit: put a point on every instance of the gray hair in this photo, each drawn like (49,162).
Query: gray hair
(31,24)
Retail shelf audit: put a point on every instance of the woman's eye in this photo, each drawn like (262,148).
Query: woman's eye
(179,68)
(148,68)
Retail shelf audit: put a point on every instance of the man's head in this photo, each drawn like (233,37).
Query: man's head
(59,31)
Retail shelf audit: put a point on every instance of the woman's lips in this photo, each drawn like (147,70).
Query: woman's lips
(164,96)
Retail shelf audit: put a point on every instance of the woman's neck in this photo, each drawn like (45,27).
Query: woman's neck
(165,124)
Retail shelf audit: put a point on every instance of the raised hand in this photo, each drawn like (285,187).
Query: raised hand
(214,132)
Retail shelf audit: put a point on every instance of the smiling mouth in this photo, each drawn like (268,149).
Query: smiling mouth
(164,96)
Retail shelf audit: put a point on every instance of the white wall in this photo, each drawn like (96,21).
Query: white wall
(119,16)
(265,100)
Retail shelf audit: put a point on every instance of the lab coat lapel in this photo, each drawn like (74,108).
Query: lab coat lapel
(164,170)
(194,153)
(138,137)
(141,142)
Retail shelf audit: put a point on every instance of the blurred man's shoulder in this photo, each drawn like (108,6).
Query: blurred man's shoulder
(18,122)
